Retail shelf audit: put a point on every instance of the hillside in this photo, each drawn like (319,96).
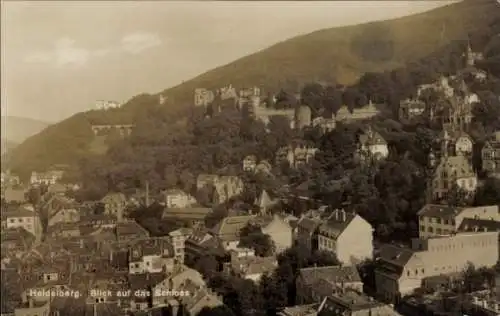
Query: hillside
(333,55)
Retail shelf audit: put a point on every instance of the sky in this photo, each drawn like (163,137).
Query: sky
(59,57)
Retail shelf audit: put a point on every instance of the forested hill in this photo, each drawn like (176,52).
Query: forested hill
(338,55)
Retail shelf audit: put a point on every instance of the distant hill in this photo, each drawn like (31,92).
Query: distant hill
(339,55)
(17,129)
(7,145)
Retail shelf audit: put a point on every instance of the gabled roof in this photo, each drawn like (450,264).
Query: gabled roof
(437,210)
(309,224)
(228,229)
(395,255)
(191,213)
(472,224)
(332,274)
(337,223)
(254,265)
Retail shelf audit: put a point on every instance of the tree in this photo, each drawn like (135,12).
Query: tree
(313,95)
(251,236)
(457,196)
(205,195)
(489,193)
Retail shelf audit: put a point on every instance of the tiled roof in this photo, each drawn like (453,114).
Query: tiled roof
(436,210)
(331,274)
(457,166)
(336,223)
(228,229)
(145,280)
(371,138)
(130,228)
(14,194)
(20,211)
(188,213)
(472,224)
(309,224)
(301,310)
(254,265)
(151,246)
(395,255)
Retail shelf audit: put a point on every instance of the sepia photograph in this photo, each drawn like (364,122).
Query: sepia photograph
(250,158)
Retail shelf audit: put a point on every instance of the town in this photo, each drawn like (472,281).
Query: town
(287,253)
(249,194)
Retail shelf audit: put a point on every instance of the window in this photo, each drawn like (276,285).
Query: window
(20,220)
(422,228)
(438,220)
(430,230)
(438,231)
(408,273)
(12,220)
(423,270)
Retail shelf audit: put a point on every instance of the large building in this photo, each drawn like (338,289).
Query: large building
(452,172)
(348,235)
(436,220)
(490,155)
(372,146)
(296,155)
(344,114)
(25,217)
(399,271)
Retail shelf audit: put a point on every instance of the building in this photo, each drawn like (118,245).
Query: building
(152,255)
(46,178)
(326,124)
(280,232)
(229,228)
(296,155)
(452,172)
(188,215)
(490,155)
(411,109)
(348,235)
(372,146)
(8,179)
(307,233)
(436,220)
(115,204)
(178,239)
(399,271)
(266,201)
(14,194)
(129,231)
(107,105)
(315,283)
(441,86)
(176,198)
(303,117)
(354,303)
(249,163)
(226,187)
(344,114)
(203,97)
(23,217)
(245,264)
(472,56)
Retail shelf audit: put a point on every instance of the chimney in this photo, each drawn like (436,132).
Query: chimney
(31,303)
(344,215)
(81,244)
(147,194)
